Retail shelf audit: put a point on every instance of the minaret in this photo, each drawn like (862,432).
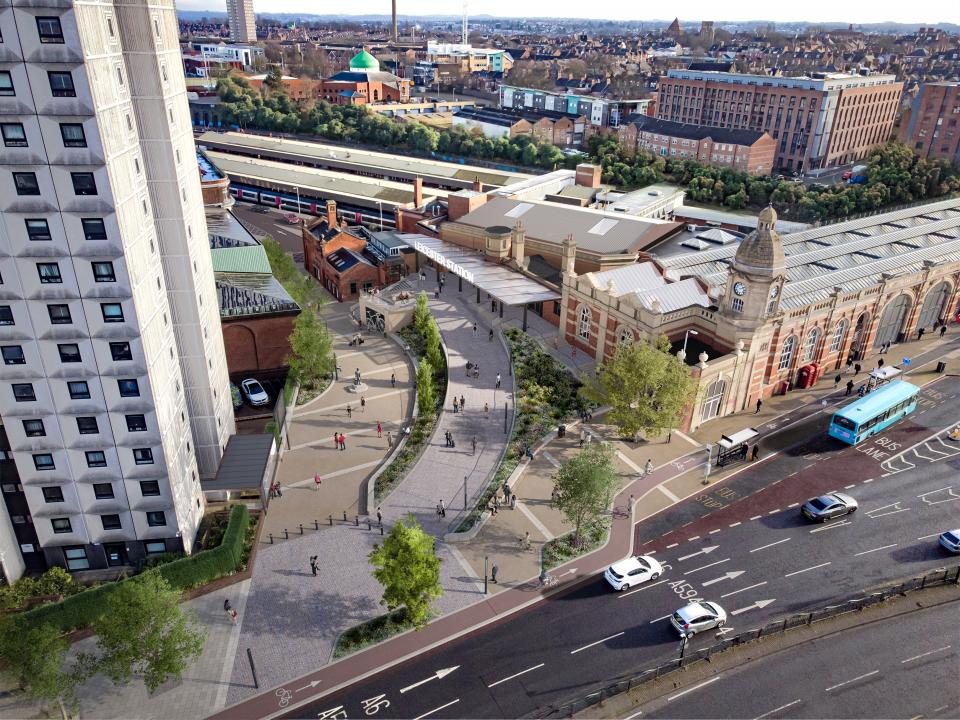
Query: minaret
(757,274)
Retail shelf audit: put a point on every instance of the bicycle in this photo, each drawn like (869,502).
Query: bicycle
(285,697)
(548,580)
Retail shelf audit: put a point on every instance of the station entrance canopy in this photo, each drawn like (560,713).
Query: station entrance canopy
(507,286)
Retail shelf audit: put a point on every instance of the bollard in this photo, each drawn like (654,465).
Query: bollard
(368,523)
(316,524)
(356,521)
(381,528)
(301,528)
(271,538)
(286,535)
(330,519)
(344,515)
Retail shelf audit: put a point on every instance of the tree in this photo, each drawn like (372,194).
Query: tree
(311,349)
(143,631)
(408,568)
(421,313)
(426,398)
(646,387)
(433,350)
(586,485)
(35,657)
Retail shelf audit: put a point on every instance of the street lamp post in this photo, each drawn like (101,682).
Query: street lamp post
(685,336)
(484,574)
(380,207)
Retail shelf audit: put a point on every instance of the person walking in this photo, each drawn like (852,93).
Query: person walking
(486,409)
(880,363)
(379,430)
(313,565)
(231,613)
(856,369)
(920,333)
(393,380)
(498,381)
(461,403)
(943,330)
(755,453)
(849,388)
(648,468)
(836,381)
(583,437)
(349,411)
(759,405)
(389,439)
(490,338)
(363,403)
(343,441)
(379,516)
(443,509)
(474,451)
(278,489)
(474,329)
(336,440)
(513,501)
(317,482)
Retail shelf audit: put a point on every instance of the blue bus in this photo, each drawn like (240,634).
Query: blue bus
(874,412)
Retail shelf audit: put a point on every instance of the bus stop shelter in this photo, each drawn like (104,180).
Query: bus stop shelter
(506,285)
(734,447)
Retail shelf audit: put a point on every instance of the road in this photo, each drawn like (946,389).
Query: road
(755,556)
(272,223)
(903,666)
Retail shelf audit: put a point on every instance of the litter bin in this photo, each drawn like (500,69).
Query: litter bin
(561,431)
(941,367)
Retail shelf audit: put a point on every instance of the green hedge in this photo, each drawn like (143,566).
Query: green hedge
(78,611)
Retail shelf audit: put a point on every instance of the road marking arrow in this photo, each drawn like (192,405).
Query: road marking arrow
(756,606)
(728,576)
(438,675)
(311,684)
(724,630)
(706,551)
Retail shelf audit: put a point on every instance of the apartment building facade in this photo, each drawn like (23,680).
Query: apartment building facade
(114,393)
(818,122)
(931,128)
(599,112)
(243,23)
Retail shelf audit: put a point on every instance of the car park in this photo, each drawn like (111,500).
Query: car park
(697,617)
(825,507)
(254,392)
(950,540)
(632,571)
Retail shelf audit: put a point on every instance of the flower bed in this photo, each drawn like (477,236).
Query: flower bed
(560,550)
(371,632)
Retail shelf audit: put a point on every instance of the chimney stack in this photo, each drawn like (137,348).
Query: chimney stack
(331,214)
(418,192)
(477,185)
(518,241)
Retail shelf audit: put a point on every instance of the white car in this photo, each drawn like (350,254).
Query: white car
(632,571)
(697,617)
(950,540)
(255,393)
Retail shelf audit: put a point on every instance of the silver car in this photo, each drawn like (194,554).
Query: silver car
(825,507)
(697,617)
(255,393)
(950,540)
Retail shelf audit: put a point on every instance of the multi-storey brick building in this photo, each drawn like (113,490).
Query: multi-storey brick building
(821,121)
(931,126)
(242,21)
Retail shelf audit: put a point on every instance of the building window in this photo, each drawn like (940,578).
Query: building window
(810,346)
(34,428)
(156,518)
(49,273)
(119,76)
(625,336)
(155,547)
(37,229)
(136,423)
(737,305)
(838,335)
(13,135)
(61,525)
(13,355)
(786,353)
(6,84)
(53,494)
(23,392)
(84,183)
(44,461)
(143,456)
(103,491)
(110,522)
(96,458)
(73,135)
(61,84)
(94,229)
(112,312)
(120,351)
(49,30)
(128,388)
(149,488)
(69,353)
(583,326)
(713,400)
(76,557)
(87,426)
(78,389)
(110,26)
(26,183)
(59,314)
(6,315)
(103,272)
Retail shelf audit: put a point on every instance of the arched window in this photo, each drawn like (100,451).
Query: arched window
(583,328)
(839,332)
(625,335)
(786,353)
(712,400)
(810,346)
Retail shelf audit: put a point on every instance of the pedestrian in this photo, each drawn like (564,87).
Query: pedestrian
(513,502)
(526,540)
(349,411)
(836,381)
(379,430)
(493,574)
(443,509)
(336,440)
(438,512)
(498,381)
(356,376)
(755,453)
(474,329)
(389,439)
(920,333)
(316,482)
(861,391)
(648,468)
(393,380)
(490,338)
(461,403)
(630,503)
(486,409)
(231,613)
(856,369)
(943,330)
(379,516)
(849,388)
(850,362)
(583,436)
(474,451)
(759,405)
(343,441)
(279,490)
(476,371)
(879,363)
(363,404)
(313,565)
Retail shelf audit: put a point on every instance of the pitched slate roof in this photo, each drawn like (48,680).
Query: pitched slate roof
(694,132)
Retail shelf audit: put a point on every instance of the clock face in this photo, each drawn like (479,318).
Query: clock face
(774,291)
(739,288)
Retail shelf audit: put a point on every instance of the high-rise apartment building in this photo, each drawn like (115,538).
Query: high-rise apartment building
(114,393)
(931,127)
(822,121)
(240,17)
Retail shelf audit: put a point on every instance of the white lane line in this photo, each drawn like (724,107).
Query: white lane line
(695,687)
(774,512)
(749,587)
(672,545)
(851,485)
(638,714)
(867,552)
(869,481)
(829,527)
(625,594)
(734,524)
(704,567)
(764,547)
(516,675)
(574,652)
(695,537)
(927,537)
(797,572)
(776,710)
(669,494)
(792,505)
(851,680)
(437,709)
(923,655)
(714,532)
(656,620)
(756,517)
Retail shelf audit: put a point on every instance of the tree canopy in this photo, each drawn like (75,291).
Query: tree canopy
(407,567)
(35,657)
(586,484)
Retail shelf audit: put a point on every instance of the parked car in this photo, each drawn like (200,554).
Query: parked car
(292,219)
(821,509)
(255,393)
(847,174)
(950,540)
(632,571)
(697,617)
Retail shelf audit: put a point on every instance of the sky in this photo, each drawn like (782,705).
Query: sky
(858,11)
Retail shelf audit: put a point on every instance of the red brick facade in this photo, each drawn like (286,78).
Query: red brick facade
(257,343)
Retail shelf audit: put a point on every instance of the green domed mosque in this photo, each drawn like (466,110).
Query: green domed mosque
(364,83)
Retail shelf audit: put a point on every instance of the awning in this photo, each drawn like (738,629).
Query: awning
(243,464)
(738,438)
(508,286)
